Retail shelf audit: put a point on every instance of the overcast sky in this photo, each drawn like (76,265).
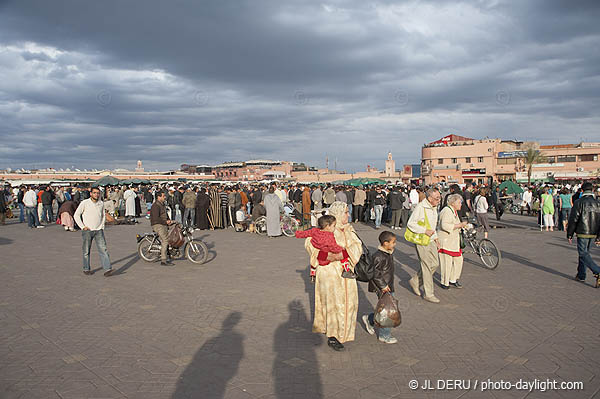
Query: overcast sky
(104,83)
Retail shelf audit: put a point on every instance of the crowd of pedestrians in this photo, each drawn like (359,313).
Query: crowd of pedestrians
(436,214)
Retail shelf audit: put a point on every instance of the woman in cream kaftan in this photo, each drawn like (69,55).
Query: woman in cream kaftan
(336,298)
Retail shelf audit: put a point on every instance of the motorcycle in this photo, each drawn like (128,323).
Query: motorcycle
(194,249)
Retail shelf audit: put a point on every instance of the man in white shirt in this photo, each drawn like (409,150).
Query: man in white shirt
(424,221)
(90,218)
(30,201)
(527,198)
(281,194)
(414,198)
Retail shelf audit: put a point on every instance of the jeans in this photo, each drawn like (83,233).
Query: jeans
(585,258)
(404,216)
(32,216)
(383,332)
(378,214)
(349,212)
(189,213)
(358,213)
(224,217)
(88,237)
(21,213)
(47,215)
(396,217)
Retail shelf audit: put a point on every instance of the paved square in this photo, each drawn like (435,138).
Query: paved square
(240,325)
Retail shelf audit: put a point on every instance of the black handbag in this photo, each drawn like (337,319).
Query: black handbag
(364,268)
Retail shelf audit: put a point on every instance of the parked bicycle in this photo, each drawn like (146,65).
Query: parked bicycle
(289,225)
(193,249)
(485,248)
(510,206)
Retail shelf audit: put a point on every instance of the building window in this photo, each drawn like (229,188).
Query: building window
(480,159)
(453,160)
(550,159)
(507,161)
(440,161)
(566,158)
(588,158)
(468,159)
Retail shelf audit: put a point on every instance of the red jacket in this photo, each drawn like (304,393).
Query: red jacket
(323,241)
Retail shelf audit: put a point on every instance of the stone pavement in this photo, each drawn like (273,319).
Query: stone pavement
(240,325)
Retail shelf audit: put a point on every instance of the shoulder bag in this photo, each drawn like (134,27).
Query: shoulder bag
(419,238)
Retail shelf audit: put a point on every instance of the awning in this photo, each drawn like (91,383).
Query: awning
(544,180)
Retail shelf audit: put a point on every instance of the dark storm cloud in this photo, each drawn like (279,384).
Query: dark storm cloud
(105,83)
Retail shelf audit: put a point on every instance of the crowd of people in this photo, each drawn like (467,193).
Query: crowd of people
(210,206)
(433,216)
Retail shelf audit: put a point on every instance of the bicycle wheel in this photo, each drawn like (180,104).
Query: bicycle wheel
(489,254)
(515,209)
(260,225)
(196,251)
(289,226)
(147,251)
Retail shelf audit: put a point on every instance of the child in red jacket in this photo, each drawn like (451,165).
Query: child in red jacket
(323,239)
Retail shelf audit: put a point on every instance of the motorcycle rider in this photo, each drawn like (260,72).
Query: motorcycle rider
(160,222)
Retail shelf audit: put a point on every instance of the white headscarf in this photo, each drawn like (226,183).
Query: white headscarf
(337,210)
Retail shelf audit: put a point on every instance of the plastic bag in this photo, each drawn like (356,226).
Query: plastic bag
(387,314)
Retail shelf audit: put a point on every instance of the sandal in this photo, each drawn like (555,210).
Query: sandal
(335,344)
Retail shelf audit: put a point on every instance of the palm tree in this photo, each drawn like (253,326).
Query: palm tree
(532,156)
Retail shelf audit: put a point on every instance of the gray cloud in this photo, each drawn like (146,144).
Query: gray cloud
(99,84)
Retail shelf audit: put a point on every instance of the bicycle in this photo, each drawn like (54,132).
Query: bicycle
(485,248)
(289,225)
(194,249)
(510,206)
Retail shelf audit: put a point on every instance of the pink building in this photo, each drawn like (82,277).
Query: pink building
(462,160)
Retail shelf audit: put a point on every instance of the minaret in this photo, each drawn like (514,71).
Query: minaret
(390,166)
(139,167)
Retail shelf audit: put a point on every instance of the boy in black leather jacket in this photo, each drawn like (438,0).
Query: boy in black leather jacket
(382,282)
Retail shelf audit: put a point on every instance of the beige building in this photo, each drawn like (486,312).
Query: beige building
(462,160)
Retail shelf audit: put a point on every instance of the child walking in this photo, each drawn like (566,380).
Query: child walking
(323,239)
(382,282)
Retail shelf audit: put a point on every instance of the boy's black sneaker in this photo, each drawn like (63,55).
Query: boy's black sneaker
(370,329)
(581,280)
(348,274)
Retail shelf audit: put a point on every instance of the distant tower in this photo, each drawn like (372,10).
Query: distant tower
(390,166)
(139,167)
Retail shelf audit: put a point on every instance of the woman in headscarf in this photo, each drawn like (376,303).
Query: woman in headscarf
(336,298)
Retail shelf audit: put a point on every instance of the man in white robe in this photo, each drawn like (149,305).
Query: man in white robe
(129,197)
